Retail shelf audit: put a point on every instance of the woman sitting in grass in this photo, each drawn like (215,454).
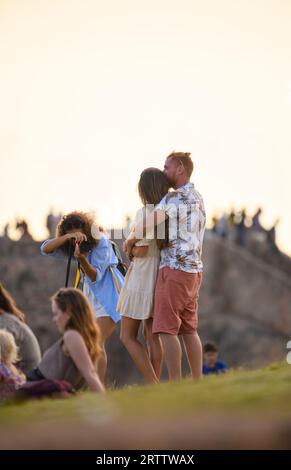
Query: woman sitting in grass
(74,356)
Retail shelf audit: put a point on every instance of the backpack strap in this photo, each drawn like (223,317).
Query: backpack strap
(115,280)
(78,276)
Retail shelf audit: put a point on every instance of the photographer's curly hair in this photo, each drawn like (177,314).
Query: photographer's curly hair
(79,221)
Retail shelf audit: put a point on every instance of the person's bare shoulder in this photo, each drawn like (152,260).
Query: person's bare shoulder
(72,336)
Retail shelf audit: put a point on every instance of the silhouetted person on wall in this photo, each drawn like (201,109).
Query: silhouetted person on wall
(52,223)
(271,237)
(6,231)
(256,224)
(214,224)
(241,229)
(222,226)
(23,227)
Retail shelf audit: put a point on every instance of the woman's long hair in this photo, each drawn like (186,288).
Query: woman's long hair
(8,305)
(82,318)
(79,221)
(152,187)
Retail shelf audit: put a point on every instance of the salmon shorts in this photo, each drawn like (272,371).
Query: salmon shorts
(176,302)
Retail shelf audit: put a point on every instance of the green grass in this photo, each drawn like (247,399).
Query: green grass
(266,390)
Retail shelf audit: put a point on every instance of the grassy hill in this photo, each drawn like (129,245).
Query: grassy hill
(240,410)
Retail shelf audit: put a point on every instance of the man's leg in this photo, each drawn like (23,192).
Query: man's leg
(193,349)
(188,329)
(173,355)
(169,301)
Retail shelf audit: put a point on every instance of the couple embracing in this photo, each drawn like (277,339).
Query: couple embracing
(162,285)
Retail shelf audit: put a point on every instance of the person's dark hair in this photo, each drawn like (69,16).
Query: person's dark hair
(7,304)
(152,187)
(79,221)
(185,159)
(210,346)
(82,318)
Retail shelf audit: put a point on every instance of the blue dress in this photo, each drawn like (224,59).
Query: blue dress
(102,292)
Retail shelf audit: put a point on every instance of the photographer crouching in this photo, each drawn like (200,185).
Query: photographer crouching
(102,280)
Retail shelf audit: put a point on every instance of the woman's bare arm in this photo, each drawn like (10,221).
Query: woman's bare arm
(55,243)
(88,269)
(77,350)
(139,251)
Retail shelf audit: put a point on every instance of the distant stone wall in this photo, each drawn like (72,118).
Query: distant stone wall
(245,304)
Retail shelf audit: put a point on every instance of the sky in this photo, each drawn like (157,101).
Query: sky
(93,92)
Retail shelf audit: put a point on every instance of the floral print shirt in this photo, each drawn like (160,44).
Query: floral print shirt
(186,213)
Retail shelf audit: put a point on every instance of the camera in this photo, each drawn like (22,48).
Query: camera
(85,247)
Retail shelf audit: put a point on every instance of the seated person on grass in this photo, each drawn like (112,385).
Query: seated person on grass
(211,365)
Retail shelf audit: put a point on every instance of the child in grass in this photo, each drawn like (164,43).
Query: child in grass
(10,377)
(211,364)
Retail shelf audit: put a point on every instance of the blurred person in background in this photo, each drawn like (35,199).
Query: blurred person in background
(13,320)
(211,364)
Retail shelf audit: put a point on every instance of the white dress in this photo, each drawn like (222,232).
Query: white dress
(136,298)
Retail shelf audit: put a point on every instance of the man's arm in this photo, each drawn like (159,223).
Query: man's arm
(147,225)
(79,354)
(139,251)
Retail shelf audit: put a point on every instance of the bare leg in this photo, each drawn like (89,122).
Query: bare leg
(154,345)
(194,354)
(173,355)
(106,325)
(128,335)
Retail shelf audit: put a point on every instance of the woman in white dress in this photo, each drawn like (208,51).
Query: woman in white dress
(136,301)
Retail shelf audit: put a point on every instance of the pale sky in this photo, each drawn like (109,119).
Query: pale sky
(93,92)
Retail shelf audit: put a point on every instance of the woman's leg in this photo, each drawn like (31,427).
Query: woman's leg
(154,345)
(106,325)
(128,336)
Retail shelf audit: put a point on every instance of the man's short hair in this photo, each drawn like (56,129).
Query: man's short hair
(185,159)
(210,347)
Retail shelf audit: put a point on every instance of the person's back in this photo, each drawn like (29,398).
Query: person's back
(74,357)
(186,212)
(137,295)
(57,365)
(181,267)
(28,347)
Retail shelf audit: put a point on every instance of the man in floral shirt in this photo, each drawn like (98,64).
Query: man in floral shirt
(180,273)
